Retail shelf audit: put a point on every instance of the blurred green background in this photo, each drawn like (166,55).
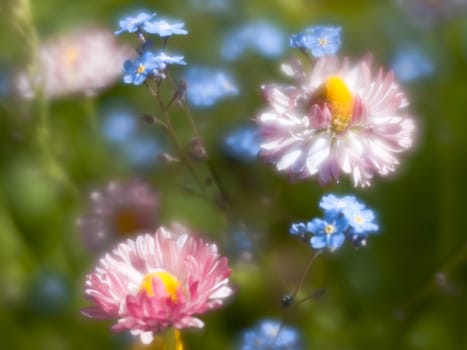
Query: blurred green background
(406,290)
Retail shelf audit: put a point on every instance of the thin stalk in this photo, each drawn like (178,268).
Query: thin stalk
(429,287)
(24,22)
(173,136)
(312,258)
(224,195)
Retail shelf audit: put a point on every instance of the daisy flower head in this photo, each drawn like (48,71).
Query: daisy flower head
(121,209)
(158,281)
(335,119)
(84,61)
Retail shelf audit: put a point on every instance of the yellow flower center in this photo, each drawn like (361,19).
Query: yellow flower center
(126,222)
(322,42)
(337,96)
(71,56)
(358,219)
(329,229)
(141,68)
(170,283)
(340,102)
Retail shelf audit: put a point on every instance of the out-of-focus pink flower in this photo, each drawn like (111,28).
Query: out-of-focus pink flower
(428,12)
(336,119)
(158,281)
(81,62)
(121,209)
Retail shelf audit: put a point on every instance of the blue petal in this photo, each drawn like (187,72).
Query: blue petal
(298,228)
(336,240)
(318,242)
(128,79)
(139,79)
(316,225)
(128,66)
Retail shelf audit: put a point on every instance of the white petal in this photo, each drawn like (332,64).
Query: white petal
(287,69)
(288,159)
(317,153)
(146,337)
(222,293)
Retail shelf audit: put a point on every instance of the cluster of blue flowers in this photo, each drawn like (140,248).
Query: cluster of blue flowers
(318,41)
(149,64)
(270,335)
(344,217)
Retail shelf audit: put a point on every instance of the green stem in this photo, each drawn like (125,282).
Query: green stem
(312,258)
(90,113)
(173,136)
(432,284)
(215,177)
(22,12)
(169,340)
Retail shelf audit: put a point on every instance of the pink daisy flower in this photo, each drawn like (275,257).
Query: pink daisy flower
(336,119)
(427,12)
(84,61)
(158,281)
(119,210)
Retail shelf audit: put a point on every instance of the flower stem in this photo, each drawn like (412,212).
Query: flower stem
(22,12)
(312,258)
(433,283)
(215,177)
(171,339)
(173,136)
(223,196)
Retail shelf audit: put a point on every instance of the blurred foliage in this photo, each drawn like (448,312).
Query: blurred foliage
(383,297)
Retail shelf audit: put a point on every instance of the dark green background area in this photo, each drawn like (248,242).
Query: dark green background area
(386,296)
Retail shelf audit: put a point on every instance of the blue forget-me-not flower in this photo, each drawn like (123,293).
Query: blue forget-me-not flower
(344,217)
(332,202)
(269,335)
(328,232)
(361,221)
(121,128)
(318,41)
(242,143)
(411,64)
(148,65)
(119,125)
(134,24)
(207,86)
(49,292)
(136,72)
(142,152)
(262,37)
(164,29)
